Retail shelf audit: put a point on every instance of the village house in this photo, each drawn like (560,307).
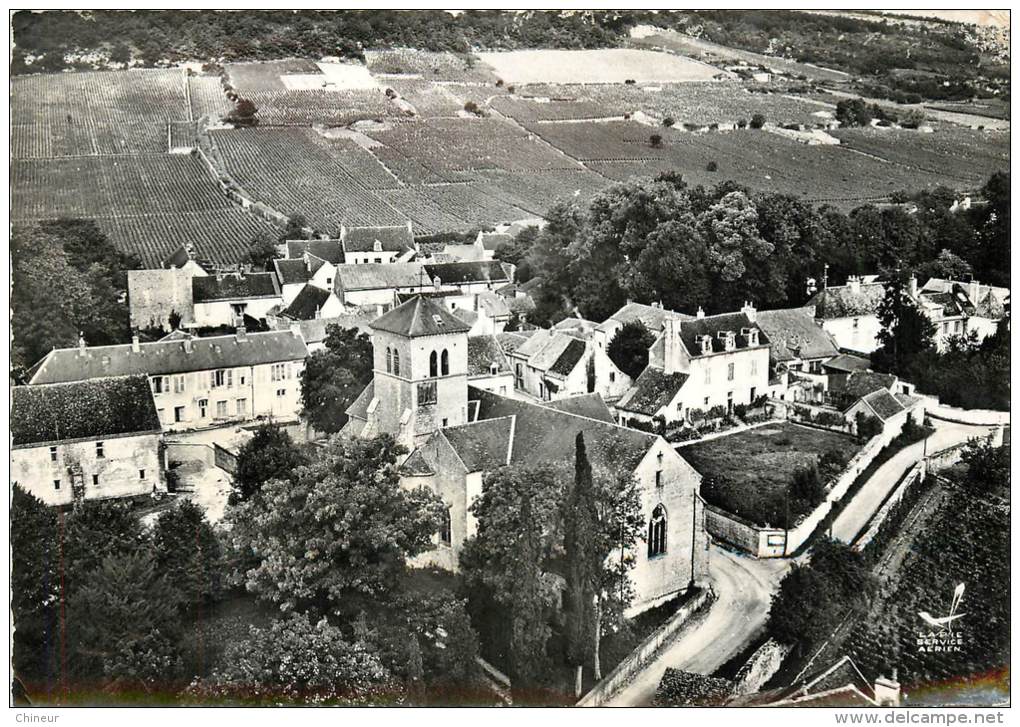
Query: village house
(653,317)
(321,258)
(86,440)
(158,295)
(458,433)
(488,367)
(224,299)
(313,302)
(707,363)
(849,313)
(362,245)
(292,275)
(959,309)
(379,284)
(314,331)
(798,349)
(197,382)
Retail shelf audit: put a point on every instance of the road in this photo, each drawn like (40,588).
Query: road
(744,588)
(858,511)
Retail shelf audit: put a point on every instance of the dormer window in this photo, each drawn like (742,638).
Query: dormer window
(751,334)
(706,344)
(376,246)
(437,319)
(729,340)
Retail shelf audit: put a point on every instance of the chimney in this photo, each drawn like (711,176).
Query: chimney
(887,691)
(913,285)
(409,228)
(749,311)
(187,344)
(854,282)
(81,343)
(242,334)
(974,291)
(136,347)
(701,312)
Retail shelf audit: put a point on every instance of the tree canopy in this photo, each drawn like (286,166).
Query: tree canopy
(334,377)
(628,349)
(269,455)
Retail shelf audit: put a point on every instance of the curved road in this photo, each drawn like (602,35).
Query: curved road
(744,588)
(858,512)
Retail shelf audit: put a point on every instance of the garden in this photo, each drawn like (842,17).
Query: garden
(769,475)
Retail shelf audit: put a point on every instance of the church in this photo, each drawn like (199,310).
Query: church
(456,434)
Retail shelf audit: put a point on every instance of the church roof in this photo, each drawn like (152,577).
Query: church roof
(419,316)
(482,446)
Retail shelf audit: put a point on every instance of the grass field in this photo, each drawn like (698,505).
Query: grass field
(746,470)
(613,65)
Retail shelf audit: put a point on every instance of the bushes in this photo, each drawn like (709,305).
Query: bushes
(712,166)
(867,426)
(757,121)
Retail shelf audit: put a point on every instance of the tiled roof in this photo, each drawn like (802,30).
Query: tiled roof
(793,334)
(884,404)
(397,238)
(291,272)
(209,288)
(460,253)
(306,303)
(82,410)
(862,383)
(170,357)
(651,391)
(314,331)
(329,251)
(847,362)
(552,351)
(584,405)
(359,408)
(712,325)
(416,465)
(653,317)
(377,276)
(569,358)
(842,302)
(489,271)
(466,316)
(419,317)
(990,301)
(510,341)
(483,352)
(483,445)
(952,302)
(494,304)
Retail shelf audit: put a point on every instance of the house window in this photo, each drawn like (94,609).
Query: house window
(221,408)
(203,406)
(856,321)
(519,378)
(178,413)
(445,363)
(100,454)
(729,371)
(426,393)
(433,364)
(280,393)
(612,377)
(160,384)
(658,478)
(56,484)
(657,532)
(445,528)
(279,372)
(754,391)
(219,378)
(706,402)
(242,407)
(378,260)
(179,384)
(329,282)
(396,362)
(95,480)
(53,454)
(389,360)
(958,326)
(141,474)
(446,422)
(754,367)
(708,374)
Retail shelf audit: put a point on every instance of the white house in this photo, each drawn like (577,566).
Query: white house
(653,317)
(363,245)
(86,440)
(313,302)
(197,382)
(224,299)
(849,313)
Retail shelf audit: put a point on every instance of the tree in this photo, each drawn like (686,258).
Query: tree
(269,455)
(295,228)
(120,53)
(757,121)
(629,348)
(243,113)
(580,521)
(123,627)
(987,466)
(655,140)
(674,251)
(95,531)
(297,662)
(853,112)
(806,489)
(188,554)
(35,582)
(338,532)
(867,426)
(261,251)
(334,377)
(906,334)
(947,265)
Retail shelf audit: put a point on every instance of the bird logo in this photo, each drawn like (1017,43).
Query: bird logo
(946,622)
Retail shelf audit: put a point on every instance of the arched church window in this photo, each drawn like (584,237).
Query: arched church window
(396,362)
(389,360)
(445,528)
(657,532)
(433,365)
(446,362)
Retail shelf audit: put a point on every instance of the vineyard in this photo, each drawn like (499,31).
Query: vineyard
(969,542)
(428,65)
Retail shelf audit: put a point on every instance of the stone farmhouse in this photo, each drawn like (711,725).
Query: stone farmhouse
(849,313)
(959,308)
(378,284)
(196,382)
(653,317)
(92,439)
(223,299)
(457,433)
(362,245)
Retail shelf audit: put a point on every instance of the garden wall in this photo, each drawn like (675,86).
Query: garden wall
(762,665)
(909,478)
(646,651)
(978,417)
(758,541)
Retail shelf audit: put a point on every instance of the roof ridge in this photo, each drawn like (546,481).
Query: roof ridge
(79,381)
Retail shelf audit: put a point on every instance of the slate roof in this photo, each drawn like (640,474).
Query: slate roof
(419,316)
(552,351)
(416,465)
(82,410)
(306,303)
(653,317)
(651,391)
(861,383)
(841,684)
(291,272)
(397,238)
(884,404)
(376,276)
(169,357)
(793,334)
(990,302)
(468,317)
(314,330)
(569,358)
(952,302)
(359,408)
(180,257)
(847,362)
(329,251)
(842,302)
(482,352)
(584,405)
(545,434)
(483,445)
(510,341)
(712,325)
(459,273)
(207,289)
